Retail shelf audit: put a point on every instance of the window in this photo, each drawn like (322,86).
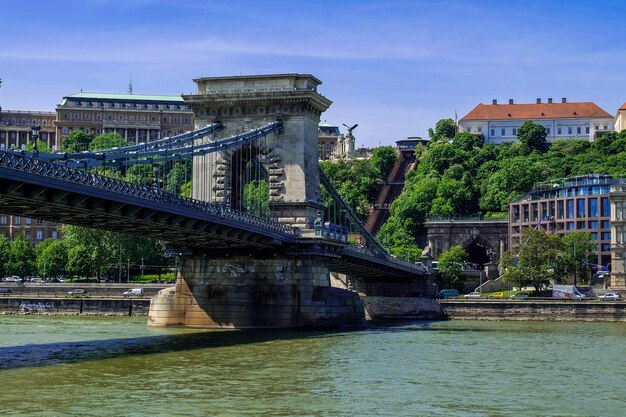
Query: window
(581,225)
(525,208)
(479,128)
(606,224)
(515,214)
(87,117)
(87,130)
(570,209)
(39,234)
(570,225)
(469,128)
(605,247)
(581,207)
(503,132)
(53,235)
(164,119)
(587,130)
(578,131)
(76,116)
(593,224)
(65,130)
(606,235)
(535,212)
(98,116)
(17,220)
(28,220)
(558,130)
(3,219)
(548,130)
(606,207)
(175,119)
(605,127)
(593,207)
(493,132)
(569,130)
(65,116)
(514,131)
(594,235)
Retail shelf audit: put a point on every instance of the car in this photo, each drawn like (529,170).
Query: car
(448,293)
(36,280)
(78,291)
(497,295)
(14,278)
(519,296)
(134,292)
(474,294)
(610,296)
(5,291)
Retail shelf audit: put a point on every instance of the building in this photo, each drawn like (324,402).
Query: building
(498,123)
(136,117)
(620,118)
(34,230)
(578,204)
(328,135)
(618,236)
(16,128)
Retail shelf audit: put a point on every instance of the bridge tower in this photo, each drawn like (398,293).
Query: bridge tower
(243,103)
(246,287)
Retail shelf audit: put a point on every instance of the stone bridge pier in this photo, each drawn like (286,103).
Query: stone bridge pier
(252,290)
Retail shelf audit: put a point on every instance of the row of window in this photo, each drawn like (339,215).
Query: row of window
(24,135)
(570,130)
(562,209)
(114,105)
(122,118)
(153,134)
(25,122)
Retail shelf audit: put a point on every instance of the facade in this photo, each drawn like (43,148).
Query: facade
(498,123)
(136,117)
(620,118)
(328,138)
(578,204)
(15,128)
(618,236)
(35,230)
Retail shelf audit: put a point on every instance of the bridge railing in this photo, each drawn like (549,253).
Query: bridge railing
(17,162)
(383,255)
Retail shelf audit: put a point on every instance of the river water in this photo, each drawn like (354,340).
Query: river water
(114,366)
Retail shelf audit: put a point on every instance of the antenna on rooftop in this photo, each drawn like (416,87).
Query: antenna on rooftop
(130,84)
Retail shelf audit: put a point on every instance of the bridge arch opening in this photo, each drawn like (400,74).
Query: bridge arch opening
(477,253)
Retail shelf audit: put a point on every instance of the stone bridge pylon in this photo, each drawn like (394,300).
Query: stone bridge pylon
(243,287)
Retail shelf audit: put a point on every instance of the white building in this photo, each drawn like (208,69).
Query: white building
(498,123)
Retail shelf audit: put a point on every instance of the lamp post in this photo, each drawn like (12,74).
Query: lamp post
(35,133)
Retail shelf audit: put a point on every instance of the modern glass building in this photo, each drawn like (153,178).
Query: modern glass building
(578,204)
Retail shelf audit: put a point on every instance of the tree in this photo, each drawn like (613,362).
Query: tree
(21,259)
(467,141)
(451,265)
(76,141)
(256,197)
(534,262)
(79,261)
(52,258)
(533,136)
(445,129)
(576,249)
(5,249)
(107,141)
(383,159)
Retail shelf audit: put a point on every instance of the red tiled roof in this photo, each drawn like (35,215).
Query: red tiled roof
(536,111)
(623,107)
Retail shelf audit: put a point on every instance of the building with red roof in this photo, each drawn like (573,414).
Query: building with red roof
(498,123)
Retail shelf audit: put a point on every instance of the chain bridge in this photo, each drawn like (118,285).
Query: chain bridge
(238,200)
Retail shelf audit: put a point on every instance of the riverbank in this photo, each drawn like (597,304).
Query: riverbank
(75,306)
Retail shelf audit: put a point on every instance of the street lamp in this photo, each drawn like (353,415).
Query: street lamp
(35,131)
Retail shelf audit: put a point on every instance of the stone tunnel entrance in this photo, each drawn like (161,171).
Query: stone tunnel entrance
(477,254)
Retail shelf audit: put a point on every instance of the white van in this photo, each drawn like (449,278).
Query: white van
(134,292)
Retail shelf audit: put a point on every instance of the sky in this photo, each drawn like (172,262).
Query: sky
(393,67)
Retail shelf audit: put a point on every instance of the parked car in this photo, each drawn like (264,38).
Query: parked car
(474,294)
(14,278)
(36,280)
(134,292)
(78,291)
(519,295)
(497,295)
(5,291)
(610,296)
(448,293)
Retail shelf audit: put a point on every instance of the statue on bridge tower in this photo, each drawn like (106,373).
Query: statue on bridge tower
(252,101)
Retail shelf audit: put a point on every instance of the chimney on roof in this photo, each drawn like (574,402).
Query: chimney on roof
(564,100)
(510,101)
(538,101)
(549,100)
(494,101)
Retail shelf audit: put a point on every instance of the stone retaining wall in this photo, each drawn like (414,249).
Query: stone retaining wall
(419,308)
(544,310)
(74,306)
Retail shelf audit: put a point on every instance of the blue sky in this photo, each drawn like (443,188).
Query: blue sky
(393,67)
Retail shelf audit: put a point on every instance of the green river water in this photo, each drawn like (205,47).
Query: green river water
(105,366)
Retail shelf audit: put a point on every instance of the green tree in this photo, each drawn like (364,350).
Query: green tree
(451,266)
(516,176)
(21,260)
(76,141)
(535,260)
(533,136)
(107,141)
(41,147)
(467,141)
(79,261)
(52,258)
(445,129)
(383,159)
(576,249)
(5,250)
(256,197)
